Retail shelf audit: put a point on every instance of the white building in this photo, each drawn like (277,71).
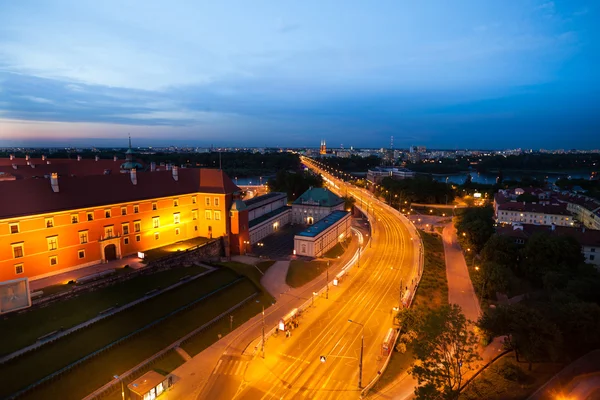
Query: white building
(376,175)
(319,238)
(267,214)
(314,205)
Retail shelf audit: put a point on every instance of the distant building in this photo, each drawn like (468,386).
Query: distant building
(377,174)
(314,205)
(267,214)
(323,149)
(319,238)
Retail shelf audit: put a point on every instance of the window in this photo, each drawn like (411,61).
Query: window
(194,215)
(81,254)
(90,216)
(592,257)
(196,228)
(593,249)
(216,202)
(217,215)
(175,202)
(208,214)
(18,250)
(207,201)
(52,243)
(19,269)
(137,226)
(53,260)
(177,231)
(74,218)
(193,199)
(155,222)
(138,238)
(49,222)
(154,206)
(125,228)
(136,209)
(14,228)
(83,237)
(123,210)
(176,218)
(109,231)
(126,240)
(107,213)
(156,235)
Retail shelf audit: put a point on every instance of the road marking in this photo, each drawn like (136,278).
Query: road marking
(238,368)
(294,358)
(217,367)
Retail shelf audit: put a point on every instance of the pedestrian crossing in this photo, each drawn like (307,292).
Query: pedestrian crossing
(334,389)
(231,366)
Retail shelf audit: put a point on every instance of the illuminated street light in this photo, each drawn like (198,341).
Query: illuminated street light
(362,345)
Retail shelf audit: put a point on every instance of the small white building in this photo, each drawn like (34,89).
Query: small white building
(319,238)
(267,214)
(314,205)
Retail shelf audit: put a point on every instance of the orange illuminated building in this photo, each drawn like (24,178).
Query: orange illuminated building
(61,223)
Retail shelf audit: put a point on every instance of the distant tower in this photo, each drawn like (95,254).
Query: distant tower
(392,143)
(323,149)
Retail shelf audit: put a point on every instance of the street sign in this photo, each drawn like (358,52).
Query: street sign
(323,359)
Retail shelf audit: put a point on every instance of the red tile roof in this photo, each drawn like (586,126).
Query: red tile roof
(60,165)
(585,237)
(35,196)
(537,208)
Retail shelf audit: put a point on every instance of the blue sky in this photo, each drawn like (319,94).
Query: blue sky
(460,74)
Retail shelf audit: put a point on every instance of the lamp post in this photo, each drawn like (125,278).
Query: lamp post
(312,303)
(122,387)
(327,282)
(263,332)
(362,345)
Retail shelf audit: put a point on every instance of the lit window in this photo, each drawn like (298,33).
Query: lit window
(217,215)
(74,218)
(177,231)
(125,229)
(123,210)
(81,254)
(19,269)
(18,251)
(193,199)
(138,238)
(49,222)
(156,222)
(175,202)
(83,237)
(52,243)
(194,215)
(216,202)
(109,231)
(137,226)
(208,214)
(126,240)
(53,260)
(176,218)
(14,228)
(107,213)
(156,235)
(154,206)
(90,216)
(136,209)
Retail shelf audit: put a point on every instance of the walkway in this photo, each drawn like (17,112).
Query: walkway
(275,278)
(36,284)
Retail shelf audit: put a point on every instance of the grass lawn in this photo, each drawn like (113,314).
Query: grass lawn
(301,272)
(30,367)
(432,293)
(337,250)
(507,379)
(160,252)
(25,328)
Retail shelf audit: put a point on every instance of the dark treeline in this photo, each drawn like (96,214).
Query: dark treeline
(294,183)
(422,189)
(352,163)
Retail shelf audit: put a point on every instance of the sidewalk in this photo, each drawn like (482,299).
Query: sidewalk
(36,284)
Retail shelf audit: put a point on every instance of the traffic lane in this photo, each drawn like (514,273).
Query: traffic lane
(227,377)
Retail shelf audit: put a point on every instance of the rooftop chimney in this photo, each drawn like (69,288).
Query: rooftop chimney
(54,182)
(28,162)
(133,174)
(168,167)
(48,162)
(115,158)
(43,157)
(12,157)
(78,158)
(152,166)
(14,166)
(27,157)
(175,172)
(97,158)
(32,165)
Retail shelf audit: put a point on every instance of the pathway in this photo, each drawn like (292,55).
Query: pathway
(274,280)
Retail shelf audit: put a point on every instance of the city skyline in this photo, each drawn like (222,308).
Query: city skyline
(469,75)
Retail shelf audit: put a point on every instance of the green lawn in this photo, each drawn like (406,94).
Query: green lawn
(25,328)
(301,272)
(507,379)
(337,250)
(20,372)
(160,252)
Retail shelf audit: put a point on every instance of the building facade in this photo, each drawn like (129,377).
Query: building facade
(376,175)
(319,238)
(267,214)
(48,226)
(314,205)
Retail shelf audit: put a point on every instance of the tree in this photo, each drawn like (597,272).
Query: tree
(348,202)
(493,278)
(294,184)
(477,224)
(444,350)
(502,250)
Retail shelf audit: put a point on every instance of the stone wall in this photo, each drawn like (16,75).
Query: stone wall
(210,251)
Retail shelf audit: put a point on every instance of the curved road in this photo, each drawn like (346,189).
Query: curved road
(292,368)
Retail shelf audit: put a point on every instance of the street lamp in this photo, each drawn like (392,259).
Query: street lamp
(362,345)
(122,387)
(327,282)
(312,303)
